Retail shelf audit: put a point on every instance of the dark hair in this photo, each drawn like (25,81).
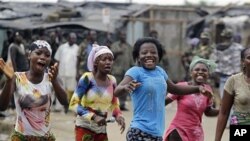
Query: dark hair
(242,53)
(152,32)
(242,57)
(139,42)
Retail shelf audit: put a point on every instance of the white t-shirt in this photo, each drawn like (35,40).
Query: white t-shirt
(33,102)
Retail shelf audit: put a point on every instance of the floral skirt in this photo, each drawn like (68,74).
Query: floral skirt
(238,118)
(135,134)
(16,136)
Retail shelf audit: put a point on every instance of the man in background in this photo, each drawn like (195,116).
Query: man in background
(122,51)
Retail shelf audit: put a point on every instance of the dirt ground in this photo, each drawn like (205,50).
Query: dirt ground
(63,125)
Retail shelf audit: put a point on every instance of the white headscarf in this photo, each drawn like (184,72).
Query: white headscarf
(95,52)
(40,44)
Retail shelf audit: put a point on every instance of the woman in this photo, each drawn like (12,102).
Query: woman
(147,84)
(93,97)
(186,125)
(32,91)
(236,94)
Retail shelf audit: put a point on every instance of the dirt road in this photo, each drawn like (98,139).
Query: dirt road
(63,126)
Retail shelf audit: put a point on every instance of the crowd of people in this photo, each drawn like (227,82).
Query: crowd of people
(91,79)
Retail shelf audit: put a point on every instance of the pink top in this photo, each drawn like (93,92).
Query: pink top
(188,118)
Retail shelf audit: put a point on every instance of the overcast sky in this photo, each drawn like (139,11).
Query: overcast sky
(159,2)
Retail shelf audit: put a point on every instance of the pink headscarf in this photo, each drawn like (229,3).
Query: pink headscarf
(95,52)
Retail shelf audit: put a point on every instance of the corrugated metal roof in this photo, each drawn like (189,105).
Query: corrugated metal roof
(88,15)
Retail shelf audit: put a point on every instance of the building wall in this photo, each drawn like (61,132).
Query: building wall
(171,24)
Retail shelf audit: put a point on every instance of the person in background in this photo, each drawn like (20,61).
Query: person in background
(84,49)
(17,54)
(6,44)
(227,57)
(204,47)
(186,125)
(186,58)
(17,58)
(164,62)
(93,97)
(148,84)
(66,56)
(54,46)
(236,95)
(153,34)
(4,55)
(32,92)
(122,51)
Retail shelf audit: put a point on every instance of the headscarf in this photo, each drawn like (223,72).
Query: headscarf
(95,52)
(211,65)
(40,44)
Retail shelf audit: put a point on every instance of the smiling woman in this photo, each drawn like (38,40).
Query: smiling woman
(197,104)
(147,83)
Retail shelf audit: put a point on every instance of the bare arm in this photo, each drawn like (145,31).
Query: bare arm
(121,89)
(211,112)
(182,89)
(168,100)
(6,94)
(9,86)
(59,91)
(226,104)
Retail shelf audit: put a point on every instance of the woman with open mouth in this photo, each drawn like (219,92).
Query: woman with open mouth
(186,125)
(33,92)
(148,84)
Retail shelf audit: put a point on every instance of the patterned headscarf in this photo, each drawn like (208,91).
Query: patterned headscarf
(211,65)
(40,44)
(95,52)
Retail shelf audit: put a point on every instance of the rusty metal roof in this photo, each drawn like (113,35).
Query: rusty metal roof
(46,15)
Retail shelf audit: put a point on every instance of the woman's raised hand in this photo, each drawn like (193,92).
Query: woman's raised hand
(6,69)
(53,72)
(205,91)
